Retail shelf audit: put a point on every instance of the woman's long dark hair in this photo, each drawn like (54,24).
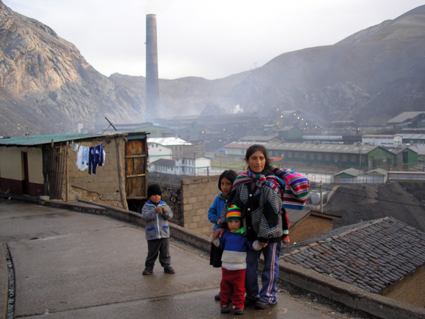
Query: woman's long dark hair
(229,174)
(257,147)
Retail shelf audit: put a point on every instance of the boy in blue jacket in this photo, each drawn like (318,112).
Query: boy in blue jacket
(235,245)
(156,214)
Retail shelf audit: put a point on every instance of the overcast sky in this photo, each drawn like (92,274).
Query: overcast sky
(205,38)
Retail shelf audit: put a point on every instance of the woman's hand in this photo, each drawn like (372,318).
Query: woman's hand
(219,221)
(262,244)
(158,209)
(220,232)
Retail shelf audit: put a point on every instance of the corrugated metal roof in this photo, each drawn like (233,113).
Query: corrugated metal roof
(167,141)
(258,138)
(57,138)
(323,148)
(412,136)
(164,162)
(398,150)
(403,117)
(244,145)
(350,171)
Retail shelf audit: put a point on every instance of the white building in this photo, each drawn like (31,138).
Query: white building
(174,143)
(382,140)
(157,151)
(186,166)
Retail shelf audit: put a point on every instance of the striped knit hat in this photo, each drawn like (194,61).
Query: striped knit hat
(233,212)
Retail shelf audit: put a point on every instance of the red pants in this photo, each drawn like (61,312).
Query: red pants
(232,287)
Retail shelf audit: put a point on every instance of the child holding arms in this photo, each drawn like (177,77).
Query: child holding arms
(225,183)
(235,245)
(156,214)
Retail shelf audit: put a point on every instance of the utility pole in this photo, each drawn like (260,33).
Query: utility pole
(321,197)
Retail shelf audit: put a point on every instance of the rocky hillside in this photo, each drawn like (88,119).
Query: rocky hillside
(46,85)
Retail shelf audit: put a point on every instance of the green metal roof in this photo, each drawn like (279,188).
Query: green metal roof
(38,140)
(350,171)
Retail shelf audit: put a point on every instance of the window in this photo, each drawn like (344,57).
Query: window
(319,156)
(336,157)
(311,156)
(328,157)
(344,157)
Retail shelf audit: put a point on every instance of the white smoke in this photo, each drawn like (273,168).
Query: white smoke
(157,6)
(237,109)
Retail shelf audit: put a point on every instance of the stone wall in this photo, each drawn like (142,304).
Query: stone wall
(102,187)
(198,195)
(309,227)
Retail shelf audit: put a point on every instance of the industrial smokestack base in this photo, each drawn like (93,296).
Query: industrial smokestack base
(152,86)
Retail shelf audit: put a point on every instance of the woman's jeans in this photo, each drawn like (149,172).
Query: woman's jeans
(269,277)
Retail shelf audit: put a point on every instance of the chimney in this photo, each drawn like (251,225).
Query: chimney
(152,87)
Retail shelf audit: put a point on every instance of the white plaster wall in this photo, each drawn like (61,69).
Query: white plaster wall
(12,166)
(11,163)
(35,165)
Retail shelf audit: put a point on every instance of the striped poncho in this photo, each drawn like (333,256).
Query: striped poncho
(292,187)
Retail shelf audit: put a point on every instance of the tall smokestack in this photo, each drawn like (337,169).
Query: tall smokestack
(152,86)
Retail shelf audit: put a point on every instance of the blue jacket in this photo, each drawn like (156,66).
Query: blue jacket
(235,246)
(214,213)
(156,223)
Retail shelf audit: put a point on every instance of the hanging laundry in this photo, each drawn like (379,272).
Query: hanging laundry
(95,157)
(83,158)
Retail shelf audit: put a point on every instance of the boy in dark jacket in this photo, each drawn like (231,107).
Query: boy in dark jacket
(156,214)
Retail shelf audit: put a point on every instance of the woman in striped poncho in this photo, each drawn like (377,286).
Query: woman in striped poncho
(263,192)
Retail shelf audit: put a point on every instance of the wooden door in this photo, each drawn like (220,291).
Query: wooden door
(136,168)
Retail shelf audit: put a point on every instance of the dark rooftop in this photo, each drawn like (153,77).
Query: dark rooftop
(370,255)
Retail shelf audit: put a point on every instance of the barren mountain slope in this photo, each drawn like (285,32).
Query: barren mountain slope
(47,86)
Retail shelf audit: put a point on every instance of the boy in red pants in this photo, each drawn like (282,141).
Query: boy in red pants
(235,245)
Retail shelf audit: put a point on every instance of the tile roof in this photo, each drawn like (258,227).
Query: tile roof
(370,255)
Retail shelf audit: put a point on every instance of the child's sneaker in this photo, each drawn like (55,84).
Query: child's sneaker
(238,311)
(147,271)
(225,309)
(169,270)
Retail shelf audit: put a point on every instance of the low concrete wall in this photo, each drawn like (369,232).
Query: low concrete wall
(4,282)
(346,294)
(306,279)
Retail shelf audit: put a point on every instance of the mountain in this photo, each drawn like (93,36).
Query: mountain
(46,86)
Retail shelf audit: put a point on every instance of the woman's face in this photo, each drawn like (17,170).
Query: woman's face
(225,186)
(256,162)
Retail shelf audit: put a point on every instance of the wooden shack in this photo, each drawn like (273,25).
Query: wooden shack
(46,165)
